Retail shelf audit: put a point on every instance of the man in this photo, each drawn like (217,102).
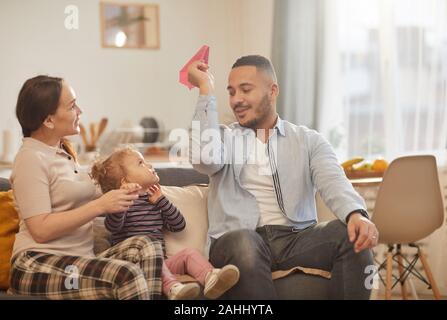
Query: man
(265,220)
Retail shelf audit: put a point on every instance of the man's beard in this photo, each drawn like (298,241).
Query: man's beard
(261,115)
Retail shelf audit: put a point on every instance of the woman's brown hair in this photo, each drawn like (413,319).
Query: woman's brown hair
(38,98)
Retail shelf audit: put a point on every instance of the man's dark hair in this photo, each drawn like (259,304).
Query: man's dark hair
(260,62)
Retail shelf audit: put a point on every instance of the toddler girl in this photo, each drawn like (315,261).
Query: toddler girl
(149,214)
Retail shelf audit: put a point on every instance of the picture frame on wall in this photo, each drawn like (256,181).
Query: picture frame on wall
(129,25)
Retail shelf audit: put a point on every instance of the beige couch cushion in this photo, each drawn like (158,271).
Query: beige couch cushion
(192,203)
(323,212)
(101,236)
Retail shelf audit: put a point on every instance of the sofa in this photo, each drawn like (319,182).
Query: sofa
(187,189)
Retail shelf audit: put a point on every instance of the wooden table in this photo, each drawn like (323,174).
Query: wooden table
(5,165)
(366,182)
(5,169)
(361,178)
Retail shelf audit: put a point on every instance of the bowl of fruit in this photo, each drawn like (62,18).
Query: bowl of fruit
(358,168)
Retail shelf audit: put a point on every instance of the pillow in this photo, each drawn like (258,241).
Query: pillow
(9,226)
(192,203)
(101,236)
(323,212)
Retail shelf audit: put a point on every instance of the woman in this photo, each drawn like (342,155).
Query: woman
(53,251)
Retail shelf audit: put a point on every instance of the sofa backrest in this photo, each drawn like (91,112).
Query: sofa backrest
(4,184)
(178,177)
(181,177)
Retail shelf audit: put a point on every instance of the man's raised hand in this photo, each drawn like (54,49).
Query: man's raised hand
(199,76)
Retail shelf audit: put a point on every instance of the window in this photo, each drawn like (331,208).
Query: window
(392,74)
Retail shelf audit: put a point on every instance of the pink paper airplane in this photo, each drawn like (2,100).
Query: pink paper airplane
(202,54)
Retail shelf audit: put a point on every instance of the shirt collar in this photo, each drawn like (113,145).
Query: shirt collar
(41,146)
(279,126)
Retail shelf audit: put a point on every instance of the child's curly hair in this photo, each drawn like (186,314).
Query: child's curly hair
(109,173)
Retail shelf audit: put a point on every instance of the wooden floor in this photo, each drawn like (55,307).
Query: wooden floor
(420,297)
(381,296)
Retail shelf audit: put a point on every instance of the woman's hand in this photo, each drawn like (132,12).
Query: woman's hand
(133,188)
(154,193)
(46,227)
(116,201)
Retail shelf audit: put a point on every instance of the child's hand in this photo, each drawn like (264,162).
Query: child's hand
(133,188)
(154,193)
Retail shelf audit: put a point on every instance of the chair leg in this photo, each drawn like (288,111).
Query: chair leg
(401,273)
(427,270)
(389,272)
(412,288)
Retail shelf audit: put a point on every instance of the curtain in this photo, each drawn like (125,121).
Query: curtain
(369,74)
(296,57)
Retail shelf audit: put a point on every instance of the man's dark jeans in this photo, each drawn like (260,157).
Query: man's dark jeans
(323,246)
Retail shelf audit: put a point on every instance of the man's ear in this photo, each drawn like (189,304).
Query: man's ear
(275,90)
(48,122)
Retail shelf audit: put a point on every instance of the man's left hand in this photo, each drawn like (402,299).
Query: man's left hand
(363,232)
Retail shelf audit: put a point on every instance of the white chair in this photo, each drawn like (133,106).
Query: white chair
(408,208)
